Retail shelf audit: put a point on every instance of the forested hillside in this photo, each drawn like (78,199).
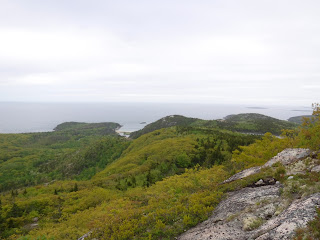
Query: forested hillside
(299,119)
(169,121)
(246,122)
(78,180)
(72,152)
(255,123)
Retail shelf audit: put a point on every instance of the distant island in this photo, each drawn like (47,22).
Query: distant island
(299,110)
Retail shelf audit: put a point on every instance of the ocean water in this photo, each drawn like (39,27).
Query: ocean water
(43,117)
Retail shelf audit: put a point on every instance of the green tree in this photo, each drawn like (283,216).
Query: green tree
(309,135)
(15,211)
(75,188)
(183,160)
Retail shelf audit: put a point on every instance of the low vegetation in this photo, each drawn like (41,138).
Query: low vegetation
(154,187)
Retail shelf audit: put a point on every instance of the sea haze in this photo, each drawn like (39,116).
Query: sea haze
(43,117)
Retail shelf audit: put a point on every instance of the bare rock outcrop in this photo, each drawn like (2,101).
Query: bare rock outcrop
(286,157)
(297,215)
(260,211)
(227,219)
(243,174)
(289,156)
(316,169)
(85,236)
(253,213)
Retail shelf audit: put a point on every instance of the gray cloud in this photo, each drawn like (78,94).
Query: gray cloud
(266,52)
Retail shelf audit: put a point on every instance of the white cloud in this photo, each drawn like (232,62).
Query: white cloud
(208,51)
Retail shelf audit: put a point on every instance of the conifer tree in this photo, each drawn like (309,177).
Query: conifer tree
(75,188)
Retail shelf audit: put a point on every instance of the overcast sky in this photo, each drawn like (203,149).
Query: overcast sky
(201,51)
